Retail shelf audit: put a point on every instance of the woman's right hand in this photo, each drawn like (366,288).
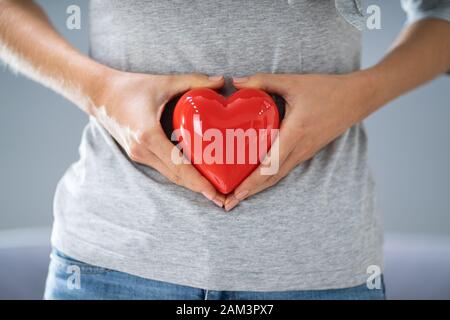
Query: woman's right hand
(129,107)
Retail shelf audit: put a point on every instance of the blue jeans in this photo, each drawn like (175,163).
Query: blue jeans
(69,279)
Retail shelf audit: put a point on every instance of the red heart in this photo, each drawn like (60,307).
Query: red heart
(251,110)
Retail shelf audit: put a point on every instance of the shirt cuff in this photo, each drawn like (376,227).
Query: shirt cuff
(421,9)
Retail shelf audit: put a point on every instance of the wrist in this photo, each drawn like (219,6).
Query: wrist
(367,88)
(97,86)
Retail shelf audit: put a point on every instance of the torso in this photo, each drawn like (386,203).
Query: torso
(316,229)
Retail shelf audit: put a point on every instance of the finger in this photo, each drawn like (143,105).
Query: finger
(188,176)
(290,163)
(155,162)
(274,83)
(146,157)
(279,152)
(185,82)
(232,201)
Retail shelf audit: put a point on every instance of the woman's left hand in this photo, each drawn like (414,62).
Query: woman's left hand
(319,108)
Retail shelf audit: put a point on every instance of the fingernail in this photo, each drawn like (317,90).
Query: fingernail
(230,205)
(218,203)
(208,196)
(241,195)
(216,78)
(213,199)
(240,80)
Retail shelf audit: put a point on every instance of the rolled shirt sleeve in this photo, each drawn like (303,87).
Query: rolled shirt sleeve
(421,9)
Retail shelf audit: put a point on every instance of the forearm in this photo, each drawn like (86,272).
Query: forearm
(421,53)
(30,45)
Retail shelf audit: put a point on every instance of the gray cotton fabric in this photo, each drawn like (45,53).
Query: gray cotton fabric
(422,9)
(316,229)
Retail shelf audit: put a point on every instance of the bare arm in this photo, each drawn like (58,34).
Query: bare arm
(421,53)
(322,107)
(30,45)
(128,105)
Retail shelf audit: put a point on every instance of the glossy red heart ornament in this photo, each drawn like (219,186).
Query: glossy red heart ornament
(246,121)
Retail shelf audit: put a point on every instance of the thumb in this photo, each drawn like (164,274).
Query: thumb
(273,83)
(185,82)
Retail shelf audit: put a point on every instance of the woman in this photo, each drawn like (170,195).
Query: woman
(135,225)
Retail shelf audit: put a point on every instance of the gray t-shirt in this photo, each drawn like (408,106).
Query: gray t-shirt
(316,229)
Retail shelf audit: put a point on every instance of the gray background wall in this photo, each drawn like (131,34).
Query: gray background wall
(409,140)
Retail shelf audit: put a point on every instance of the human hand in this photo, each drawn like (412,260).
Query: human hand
(319,108)
(129,106)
